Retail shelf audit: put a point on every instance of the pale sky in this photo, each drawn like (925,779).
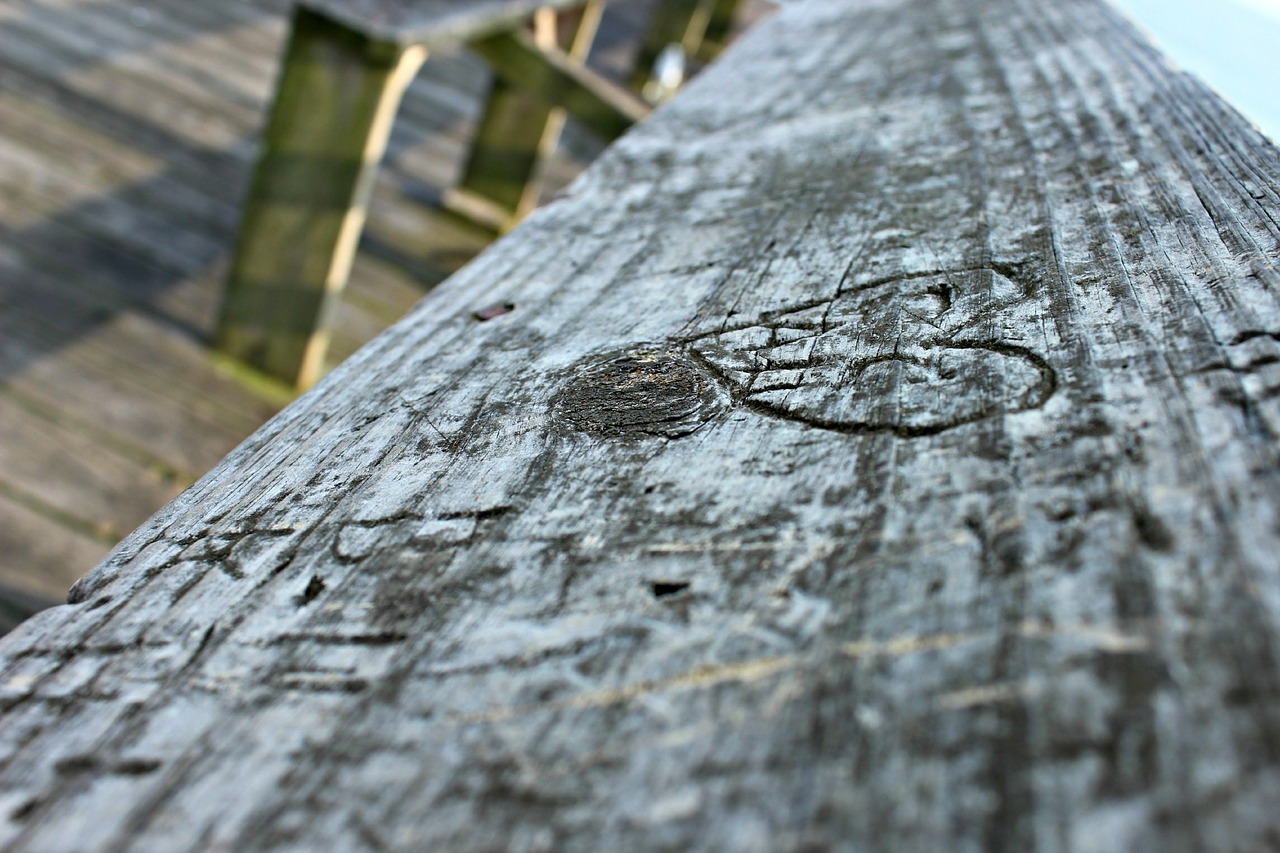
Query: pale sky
(1233,45)
(1266,7)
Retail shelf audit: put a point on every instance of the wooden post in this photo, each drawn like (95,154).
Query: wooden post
(307,202)
(598,104)
(675,22)
(719,26)
(519,129)
(876,451)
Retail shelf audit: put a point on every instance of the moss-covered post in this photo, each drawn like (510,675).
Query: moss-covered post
(327,131)
(679,22)
(519,128)
(718,28)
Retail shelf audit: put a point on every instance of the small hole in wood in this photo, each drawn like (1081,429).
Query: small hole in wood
(314,587)
(666,589)
(99,602)
(136,767)
(24,810)
(495,310)
(74,765)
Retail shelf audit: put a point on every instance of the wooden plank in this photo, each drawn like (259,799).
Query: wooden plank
(519,130)
(327,131)
(143,354)
(116,223)
(880,454)
(207,168)
(42,557)
(120,411)
(58,162)
(95,491)
(102,35)
(170,102)
(103,29)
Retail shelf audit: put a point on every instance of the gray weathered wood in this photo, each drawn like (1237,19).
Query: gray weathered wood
(126,144)
(880,455)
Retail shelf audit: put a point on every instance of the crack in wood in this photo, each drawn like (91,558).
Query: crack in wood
(1104,639)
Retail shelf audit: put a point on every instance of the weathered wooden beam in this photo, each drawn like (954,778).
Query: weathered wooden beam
(326,134)
(879,454)
(518,130)
(596,103)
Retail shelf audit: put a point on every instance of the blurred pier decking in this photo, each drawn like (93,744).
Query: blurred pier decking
(127,134)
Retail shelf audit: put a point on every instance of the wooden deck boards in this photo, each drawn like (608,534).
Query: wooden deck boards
(127,133)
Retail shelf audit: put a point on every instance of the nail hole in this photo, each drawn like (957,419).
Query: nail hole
(314,587)
(25,810)
(497,309)
(74,765)
(666,589)
(136,767)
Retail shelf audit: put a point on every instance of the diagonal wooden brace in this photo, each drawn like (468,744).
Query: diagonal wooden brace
(599,105)
(519,130)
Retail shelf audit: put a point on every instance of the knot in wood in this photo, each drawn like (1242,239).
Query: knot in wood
(643,391)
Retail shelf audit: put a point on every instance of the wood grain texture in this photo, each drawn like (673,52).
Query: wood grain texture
(881,455)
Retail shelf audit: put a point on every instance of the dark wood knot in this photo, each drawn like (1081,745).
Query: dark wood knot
(644,391)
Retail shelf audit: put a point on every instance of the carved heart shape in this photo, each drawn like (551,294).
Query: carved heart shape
(905,356)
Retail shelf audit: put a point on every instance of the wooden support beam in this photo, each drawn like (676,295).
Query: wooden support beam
(597,104)
(519,129)
(433,23)
(719,27)
(682,23)
(327,131)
